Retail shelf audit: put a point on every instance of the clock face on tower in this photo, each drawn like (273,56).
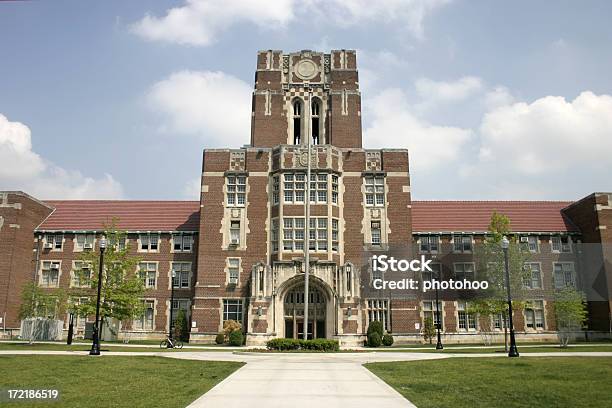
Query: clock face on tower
(306,69)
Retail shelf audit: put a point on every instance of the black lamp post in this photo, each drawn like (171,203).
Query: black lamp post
(439,345)
(513,352)
(169,343)
(95,345)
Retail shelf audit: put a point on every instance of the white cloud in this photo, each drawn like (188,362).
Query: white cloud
(440,91)
(23,169)
(392,124)
(213,105)
(498,96)
(199,22)
(550,135)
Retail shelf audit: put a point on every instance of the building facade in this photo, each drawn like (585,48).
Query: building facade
(239,253)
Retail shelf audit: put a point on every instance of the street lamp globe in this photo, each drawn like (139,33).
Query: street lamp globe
(103,243)
(505,243)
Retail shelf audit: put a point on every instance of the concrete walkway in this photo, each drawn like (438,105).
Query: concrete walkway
(322,380)
(302,379)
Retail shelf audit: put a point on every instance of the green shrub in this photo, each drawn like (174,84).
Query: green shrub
(180,326)
(387,340)
(236,338)
(220,339)
(297,344)
(377,327)
(374,339)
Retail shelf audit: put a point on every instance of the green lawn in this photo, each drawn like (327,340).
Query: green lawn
(103,347)
(501,382)
(113,381)
(500,349)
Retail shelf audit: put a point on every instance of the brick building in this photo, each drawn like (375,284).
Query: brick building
(240,251)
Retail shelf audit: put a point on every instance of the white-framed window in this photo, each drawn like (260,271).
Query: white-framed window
(233,270)
(294,187)
(234,232)
(335,234)
(148,243)
(232,309)
(49,274)
(334,181)
(465,321)
(318,188)
(464,270)
(147,320)
(462,243)
(530,243)
(534,314)
(236,191)
(563,273)
(430,312)
(274,235)
(318,234)
(375,191)
(275,190)
(435,273)
(81,274)
(182,274)
(148,273)
(533,280)
(54,242)
(182,242)
(119,243)
(293,234)
(499,322)
(429,243)
(561,243)
(378,310)
(83,242)
(178,305)
(376,233)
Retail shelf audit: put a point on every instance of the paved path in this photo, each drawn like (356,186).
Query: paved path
(323,380)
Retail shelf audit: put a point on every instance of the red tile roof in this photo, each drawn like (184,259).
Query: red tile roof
(474,216)
(86,215)
(427,216)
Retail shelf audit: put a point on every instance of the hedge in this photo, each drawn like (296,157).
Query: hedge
(297,344)
(374,339)
(236,338)
(387,340)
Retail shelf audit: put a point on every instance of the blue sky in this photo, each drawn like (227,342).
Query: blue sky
(117,99)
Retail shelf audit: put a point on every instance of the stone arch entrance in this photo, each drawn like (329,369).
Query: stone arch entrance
(293,313)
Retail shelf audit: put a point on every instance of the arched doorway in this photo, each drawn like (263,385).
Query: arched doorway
(293,310)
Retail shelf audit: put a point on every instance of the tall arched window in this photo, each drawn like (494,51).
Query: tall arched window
(315,120)
(297,121)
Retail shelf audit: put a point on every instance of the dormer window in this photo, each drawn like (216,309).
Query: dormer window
(297,122)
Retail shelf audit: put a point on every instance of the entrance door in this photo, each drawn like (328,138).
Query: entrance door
(294,313)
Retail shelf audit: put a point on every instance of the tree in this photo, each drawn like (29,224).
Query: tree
(36,302)
(429,329)
(181,330)
(490,264)
(570,313)
(122,288)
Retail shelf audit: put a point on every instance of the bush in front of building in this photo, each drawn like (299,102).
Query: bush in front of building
(220,339)
(236,338)
(230,326)
(297,344)
(375,327)
(181,327)
(374,339)
(387,340)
